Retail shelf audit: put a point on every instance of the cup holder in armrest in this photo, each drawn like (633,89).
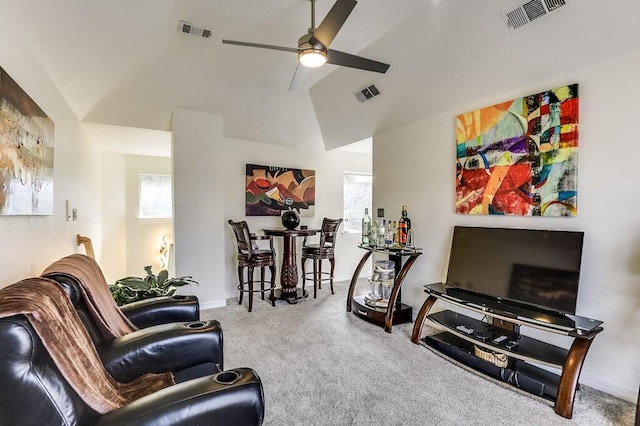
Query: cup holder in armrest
(227,377)
(197,324)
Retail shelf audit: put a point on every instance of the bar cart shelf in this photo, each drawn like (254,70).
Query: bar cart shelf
(395,312)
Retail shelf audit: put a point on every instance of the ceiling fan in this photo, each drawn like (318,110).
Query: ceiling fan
(313,47)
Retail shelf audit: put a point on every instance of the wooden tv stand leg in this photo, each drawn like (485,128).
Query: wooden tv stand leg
(570,374)
(422,314)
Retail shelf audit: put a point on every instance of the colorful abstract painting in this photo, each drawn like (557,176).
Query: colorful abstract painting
(520,157)
(26,153)
(271,190)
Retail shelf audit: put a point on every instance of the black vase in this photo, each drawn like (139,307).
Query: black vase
(290,219)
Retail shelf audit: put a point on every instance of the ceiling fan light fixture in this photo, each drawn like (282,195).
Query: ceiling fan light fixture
(312,58)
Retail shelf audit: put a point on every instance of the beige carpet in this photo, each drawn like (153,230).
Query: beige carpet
(323,366)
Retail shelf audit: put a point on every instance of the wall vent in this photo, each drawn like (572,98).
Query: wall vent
(367,93)
(187,28)
(530,11)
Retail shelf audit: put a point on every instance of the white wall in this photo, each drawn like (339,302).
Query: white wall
(31,243)
(607,208)
(129,244)
(198,206)
(144,236)
(329,167)
(113,251)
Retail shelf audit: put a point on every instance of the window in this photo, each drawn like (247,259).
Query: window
(357,196)
(155,197)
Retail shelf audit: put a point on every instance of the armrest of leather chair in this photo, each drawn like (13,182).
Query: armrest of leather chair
(199,401)
(161,348)
(162,310)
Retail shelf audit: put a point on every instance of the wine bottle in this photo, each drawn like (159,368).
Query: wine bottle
(404,225)
(366,227)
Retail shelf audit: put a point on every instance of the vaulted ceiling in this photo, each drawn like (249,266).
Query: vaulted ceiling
(124,62)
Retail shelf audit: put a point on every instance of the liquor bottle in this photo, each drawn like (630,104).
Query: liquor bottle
(366,227)
(404,225)
(379,229)
(394,236)
(388,235)
(373,234)
(382,229)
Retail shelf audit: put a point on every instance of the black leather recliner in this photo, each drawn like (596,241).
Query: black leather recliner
(162,310)
(34,392)
(187,349)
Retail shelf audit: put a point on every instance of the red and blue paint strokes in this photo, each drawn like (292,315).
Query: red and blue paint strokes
(520,157)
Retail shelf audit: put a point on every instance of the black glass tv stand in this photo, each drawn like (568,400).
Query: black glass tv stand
(487,341)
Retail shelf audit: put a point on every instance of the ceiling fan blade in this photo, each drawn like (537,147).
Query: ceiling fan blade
(331,24)
(299,77)
(263,46)
(336,57)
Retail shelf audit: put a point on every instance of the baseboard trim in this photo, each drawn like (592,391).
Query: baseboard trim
(213,304)
(616,389)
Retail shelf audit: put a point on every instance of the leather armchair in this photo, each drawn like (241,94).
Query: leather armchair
(34,392)
(162,310)
(156,349)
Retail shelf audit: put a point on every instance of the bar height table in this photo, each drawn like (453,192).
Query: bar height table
(289,290)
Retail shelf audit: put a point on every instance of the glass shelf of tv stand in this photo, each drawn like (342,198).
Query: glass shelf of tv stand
(456,346)
(569,325)
(528,349)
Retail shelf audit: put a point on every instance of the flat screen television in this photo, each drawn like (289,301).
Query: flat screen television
(534,269)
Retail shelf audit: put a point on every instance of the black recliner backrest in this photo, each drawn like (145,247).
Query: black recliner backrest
(72,287)
(32,389)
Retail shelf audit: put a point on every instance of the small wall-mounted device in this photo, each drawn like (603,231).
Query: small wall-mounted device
(72,214)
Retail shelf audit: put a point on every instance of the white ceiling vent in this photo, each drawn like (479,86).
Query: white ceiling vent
(367,93)
(187,28)
(530,11)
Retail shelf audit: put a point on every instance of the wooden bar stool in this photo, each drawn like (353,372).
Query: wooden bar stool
(250,256)
(325,249)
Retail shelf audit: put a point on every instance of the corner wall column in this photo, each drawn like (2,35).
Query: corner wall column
(198,201)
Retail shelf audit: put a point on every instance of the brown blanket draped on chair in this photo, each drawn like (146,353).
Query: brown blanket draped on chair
(95,292)
(47,308)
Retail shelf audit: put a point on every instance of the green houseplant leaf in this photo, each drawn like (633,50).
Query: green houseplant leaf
(132,289)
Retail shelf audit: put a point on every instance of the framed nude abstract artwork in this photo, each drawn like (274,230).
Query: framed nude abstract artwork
(26,153)
(520,157)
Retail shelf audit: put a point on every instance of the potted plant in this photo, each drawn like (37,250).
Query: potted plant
(133,289)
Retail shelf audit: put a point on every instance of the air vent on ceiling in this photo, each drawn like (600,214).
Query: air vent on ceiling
(367,93)
(187,28)
(530,11)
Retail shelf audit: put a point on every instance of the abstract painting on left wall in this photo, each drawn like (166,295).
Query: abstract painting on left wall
(271,190)
(26,153)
